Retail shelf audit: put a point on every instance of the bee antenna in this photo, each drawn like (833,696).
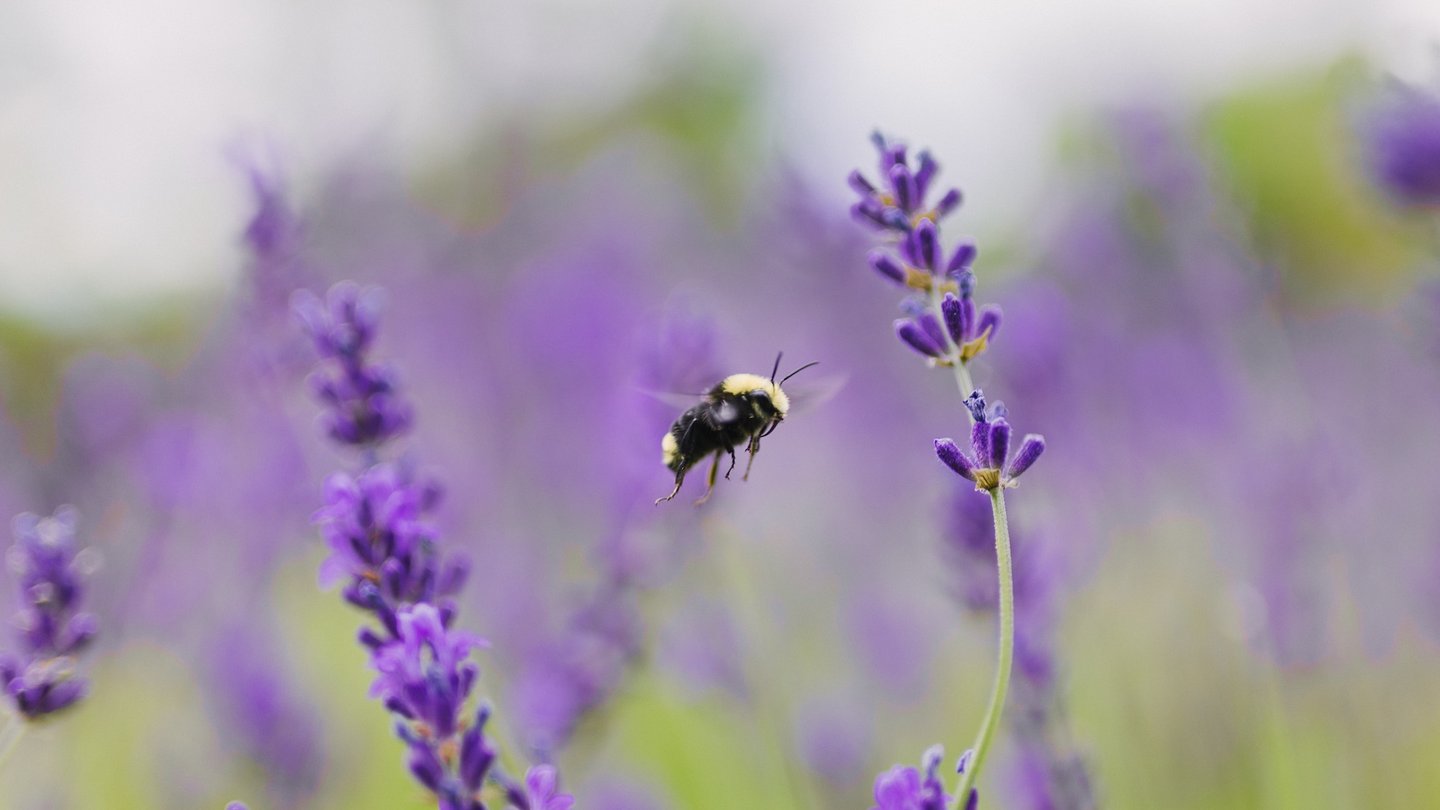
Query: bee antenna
(774,370)
(797,371)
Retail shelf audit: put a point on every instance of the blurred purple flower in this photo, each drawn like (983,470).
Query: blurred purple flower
(380,539)
(364,408)
(897,202)
(1401,135)
(542,791)
(43,679)
(264,716)
(833,738)
(903,788)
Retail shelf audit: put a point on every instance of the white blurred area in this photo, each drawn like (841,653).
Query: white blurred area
(115,117)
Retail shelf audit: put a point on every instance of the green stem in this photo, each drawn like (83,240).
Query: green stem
(1007,650)
(15,728)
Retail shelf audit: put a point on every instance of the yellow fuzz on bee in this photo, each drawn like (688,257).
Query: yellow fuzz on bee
(668,449)
(745,383)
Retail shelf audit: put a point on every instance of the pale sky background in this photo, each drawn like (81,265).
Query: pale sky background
(114,117)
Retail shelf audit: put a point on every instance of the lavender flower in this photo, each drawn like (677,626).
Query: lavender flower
(903,788)
(1402,145)
(986,463)
(947,328)
(949,331)
(897,203)
(363,406)
(425,679)
(379,538)
(542,791)
(43,679)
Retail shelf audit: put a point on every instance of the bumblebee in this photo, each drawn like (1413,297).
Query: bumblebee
(742,408)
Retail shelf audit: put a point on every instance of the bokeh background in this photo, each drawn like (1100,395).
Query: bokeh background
(1230,555)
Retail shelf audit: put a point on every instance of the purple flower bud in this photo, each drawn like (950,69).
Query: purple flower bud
(955,458)
(1402,139)
(869,212)
(926,244)
(999,442)
(236,806)
(542,788)
(894,155)
(933,329)
(967,318)
(976,405)
(980,443)
(904,185)
(858,182)
(903,788)
(961,259)
(926,172)
(426,767)
(948,203)
(915,337)
(895,219)
(886,266)
(989,320)
(1030,449)
(954,317)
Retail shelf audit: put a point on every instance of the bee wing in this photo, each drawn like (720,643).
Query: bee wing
(813,393)
(673,399)
(724,413)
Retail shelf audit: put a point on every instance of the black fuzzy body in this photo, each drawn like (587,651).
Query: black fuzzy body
(718,424)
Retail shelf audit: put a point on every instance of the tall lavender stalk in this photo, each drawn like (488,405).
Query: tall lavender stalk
(43,679)
(387,552)
(944,325)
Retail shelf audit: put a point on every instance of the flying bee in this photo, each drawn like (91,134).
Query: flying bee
(742,408)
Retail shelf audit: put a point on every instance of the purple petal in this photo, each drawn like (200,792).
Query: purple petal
(914,336)
(963,257)
(886,266)
(999,443)
(955,458)
(980,442)
(926,243)
(925,173)
(989,319)
(948,203)
(933,329)
(954,321)
(1030,449)
(858,182)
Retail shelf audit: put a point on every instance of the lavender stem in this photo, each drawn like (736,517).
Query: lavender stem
(1007,649)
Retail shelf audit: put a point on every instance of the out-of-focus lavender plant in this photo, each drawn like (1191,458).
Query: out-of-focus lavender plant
(945,326)
(382,544)
(42,677)
(1401,135)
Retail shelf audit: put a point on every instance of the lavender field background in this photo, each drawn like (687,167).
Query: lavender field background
(1214,231)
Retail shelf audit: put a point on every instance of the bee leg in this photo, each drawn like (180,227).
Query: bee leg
(679,479)
(753,449)
(731,451)
(710,479)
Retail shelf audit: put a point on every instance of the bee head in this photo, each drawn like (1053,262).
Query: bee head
(769,402)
